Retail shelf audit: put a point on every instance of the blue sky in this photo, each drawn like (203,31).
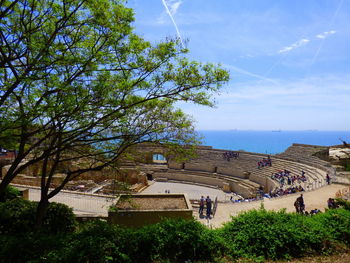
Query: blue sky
(289,60)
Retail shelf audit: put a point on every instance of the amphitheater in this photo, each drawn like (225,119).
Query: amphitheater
(241,175)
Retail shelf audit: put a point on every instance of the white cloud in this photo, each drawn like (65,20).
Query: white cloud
(294,46)
(327,92)
(295,104)
(326,34)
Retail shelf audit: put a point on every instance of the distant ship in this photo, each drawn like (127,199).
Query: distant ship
(276,130)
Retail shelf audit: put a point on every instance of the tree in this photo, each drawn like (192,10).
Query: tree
(78,84)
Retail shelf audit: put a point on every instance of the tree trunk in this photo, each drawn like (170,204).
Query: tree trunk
(41,212)
(4,183)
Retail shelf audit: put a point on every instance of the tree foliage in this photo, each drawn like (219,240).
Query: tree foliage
(77,84)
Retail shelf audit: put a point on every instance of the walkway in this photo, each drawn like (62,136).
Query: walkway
(193,191)
(313,199)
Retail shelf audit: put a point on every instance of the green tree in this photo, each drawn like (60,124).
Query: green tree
(78,84)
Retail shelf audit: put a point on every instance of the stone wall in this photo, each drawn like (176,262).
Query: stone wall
(139,218)
(209,179)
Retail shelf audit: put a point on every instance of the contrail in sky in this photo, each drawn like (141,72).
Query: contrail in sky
(329,27)
(172,19)
(245,72)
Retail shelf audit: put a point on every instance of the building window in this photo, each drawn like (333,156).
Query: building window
(159,158)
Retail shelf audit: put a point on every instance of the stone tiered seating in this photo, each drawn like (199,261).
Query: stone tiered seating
(242,175)
(213,161)
(239,185)
(315,177)
(305,154)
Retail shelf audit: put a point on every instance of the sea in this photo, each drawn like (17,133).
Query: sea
(270,142)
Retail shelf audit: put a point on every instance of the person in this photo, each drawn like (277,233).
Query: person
(208,202)
(301,204)
(328,179)
(331,203)
(296,205)
(201,206)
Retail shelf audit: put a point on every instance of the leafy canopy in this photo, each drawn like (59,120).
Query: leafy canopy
(77,83)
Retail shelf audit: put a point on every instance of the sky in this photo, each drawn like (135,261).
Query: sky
(289,61)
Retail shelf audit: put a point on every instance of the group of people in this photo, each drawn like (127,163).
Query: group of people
(300,206)
(265,162)
(284,176)
(286,191)
(228,155)
(205,202)
(313,212)
(331,203)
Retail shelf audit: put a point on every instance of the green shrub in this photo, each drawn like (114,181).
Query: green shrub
(173,240)
(178,240)
(335,224)
(59,218)
(262,234)
(31,247)
(347,167)
(11,193)
(18,216)
(96,242)
(342,203)
(256,234)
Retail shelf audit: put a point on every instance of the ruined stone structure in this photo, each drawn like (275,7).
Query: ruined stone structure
(209,168)
(139,210)
(240,175)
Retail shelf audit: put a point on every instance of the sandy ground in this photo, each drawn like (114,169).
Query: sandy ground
(193,191)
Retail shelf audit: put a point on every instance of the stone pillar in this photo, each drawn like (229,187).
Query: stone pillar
(25,194)
(226,187)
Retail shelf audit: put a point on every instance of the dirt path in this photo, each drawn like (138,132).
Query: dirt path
(313,199)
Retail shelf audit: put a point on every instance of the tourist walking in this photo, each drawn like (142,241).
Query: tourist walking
(328,179)
(296,205)
(208,203)
(299,204)
(201,206)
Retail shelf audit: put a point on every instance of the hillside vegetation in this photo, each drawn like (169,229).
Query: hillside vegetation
(256,235)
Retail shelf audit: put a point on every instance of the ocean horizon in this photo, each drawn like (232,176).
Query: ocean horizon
(269,142)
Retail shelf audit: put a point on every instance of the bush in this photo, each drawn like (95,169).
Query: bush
(59,218)
(178,240)
(261,234)
(31,247)
(256,234)
(11,193)
(342,203)
(347,167)
(335,224)
(97,242)
(173,240)
(18,216)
